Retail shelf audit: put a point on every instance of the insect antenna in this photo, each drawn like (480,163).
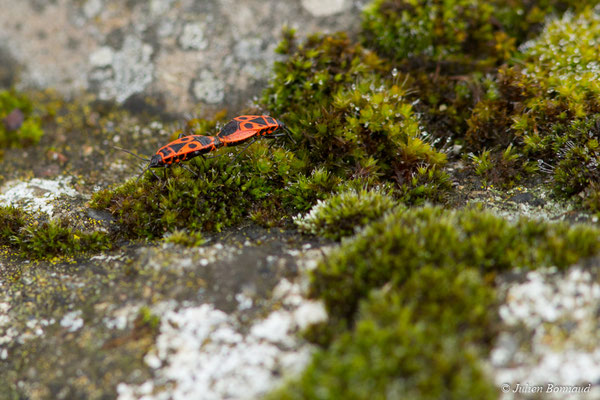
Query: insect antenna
(132,153)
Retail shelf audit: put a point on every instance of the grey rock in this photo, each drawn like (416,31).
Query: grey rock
(214,52)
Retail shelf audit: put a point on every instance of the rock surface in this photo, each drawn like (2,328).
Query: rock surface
(187,54)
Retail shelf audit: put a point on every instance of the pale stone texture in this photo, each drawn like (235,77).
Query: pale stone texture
(191,54)
(550,334)
(320,8)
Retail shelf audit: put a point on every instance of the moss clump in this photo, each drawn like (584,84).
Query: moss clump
(221,195)
(146,322)
(420,342)
(451,50)
(351,116)
(405,241)
(183,238)
(51,239)
(11,221)
(350,124)
(47,239)
(401,29)
(411,306)
(547,86)
(466,31)
(572,155)
(546,105)
(342,214)
(18,126)
(505,168)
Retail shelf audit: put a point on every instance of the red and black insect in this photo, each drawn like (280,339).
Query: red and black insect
(182,149)
(245,127)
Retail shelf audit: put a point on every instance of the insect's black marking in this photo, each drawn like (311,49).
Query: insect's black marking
(271,121)
(192,145)
(228,129)
(204,140)
(166,151)
(260,121)
(243,118)
(177,146)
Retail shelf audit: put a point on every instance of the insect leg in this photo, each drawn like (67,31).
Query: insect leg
(241,151)
(189,170)
(156,176)
(275,137)
(141,174)
(289,134)
(166,176)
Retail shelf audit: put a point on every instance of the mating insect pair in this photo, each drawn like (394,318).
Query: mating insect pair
(237,131)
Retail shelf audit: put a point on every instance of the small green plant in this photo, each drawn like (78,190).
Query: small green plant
(12,220)
(505,168)
(183,238)
(57,238)
(147,321)
(406,240)
(344,213)
(481,163)
(18,125)
(45,240)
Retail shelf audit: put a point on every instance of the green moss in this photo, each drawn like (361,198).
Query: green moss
(146,322)
(504,168)
(11,221)
(411,305)
(574,154)
(348,123)
(464,31)
(451,48)
(401,28)
(413,343)
(183,238)
(351,116)
(546,107)
(221,195)
(344,213)
(18,125)
(51,239)
(405,241)
(45,240)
